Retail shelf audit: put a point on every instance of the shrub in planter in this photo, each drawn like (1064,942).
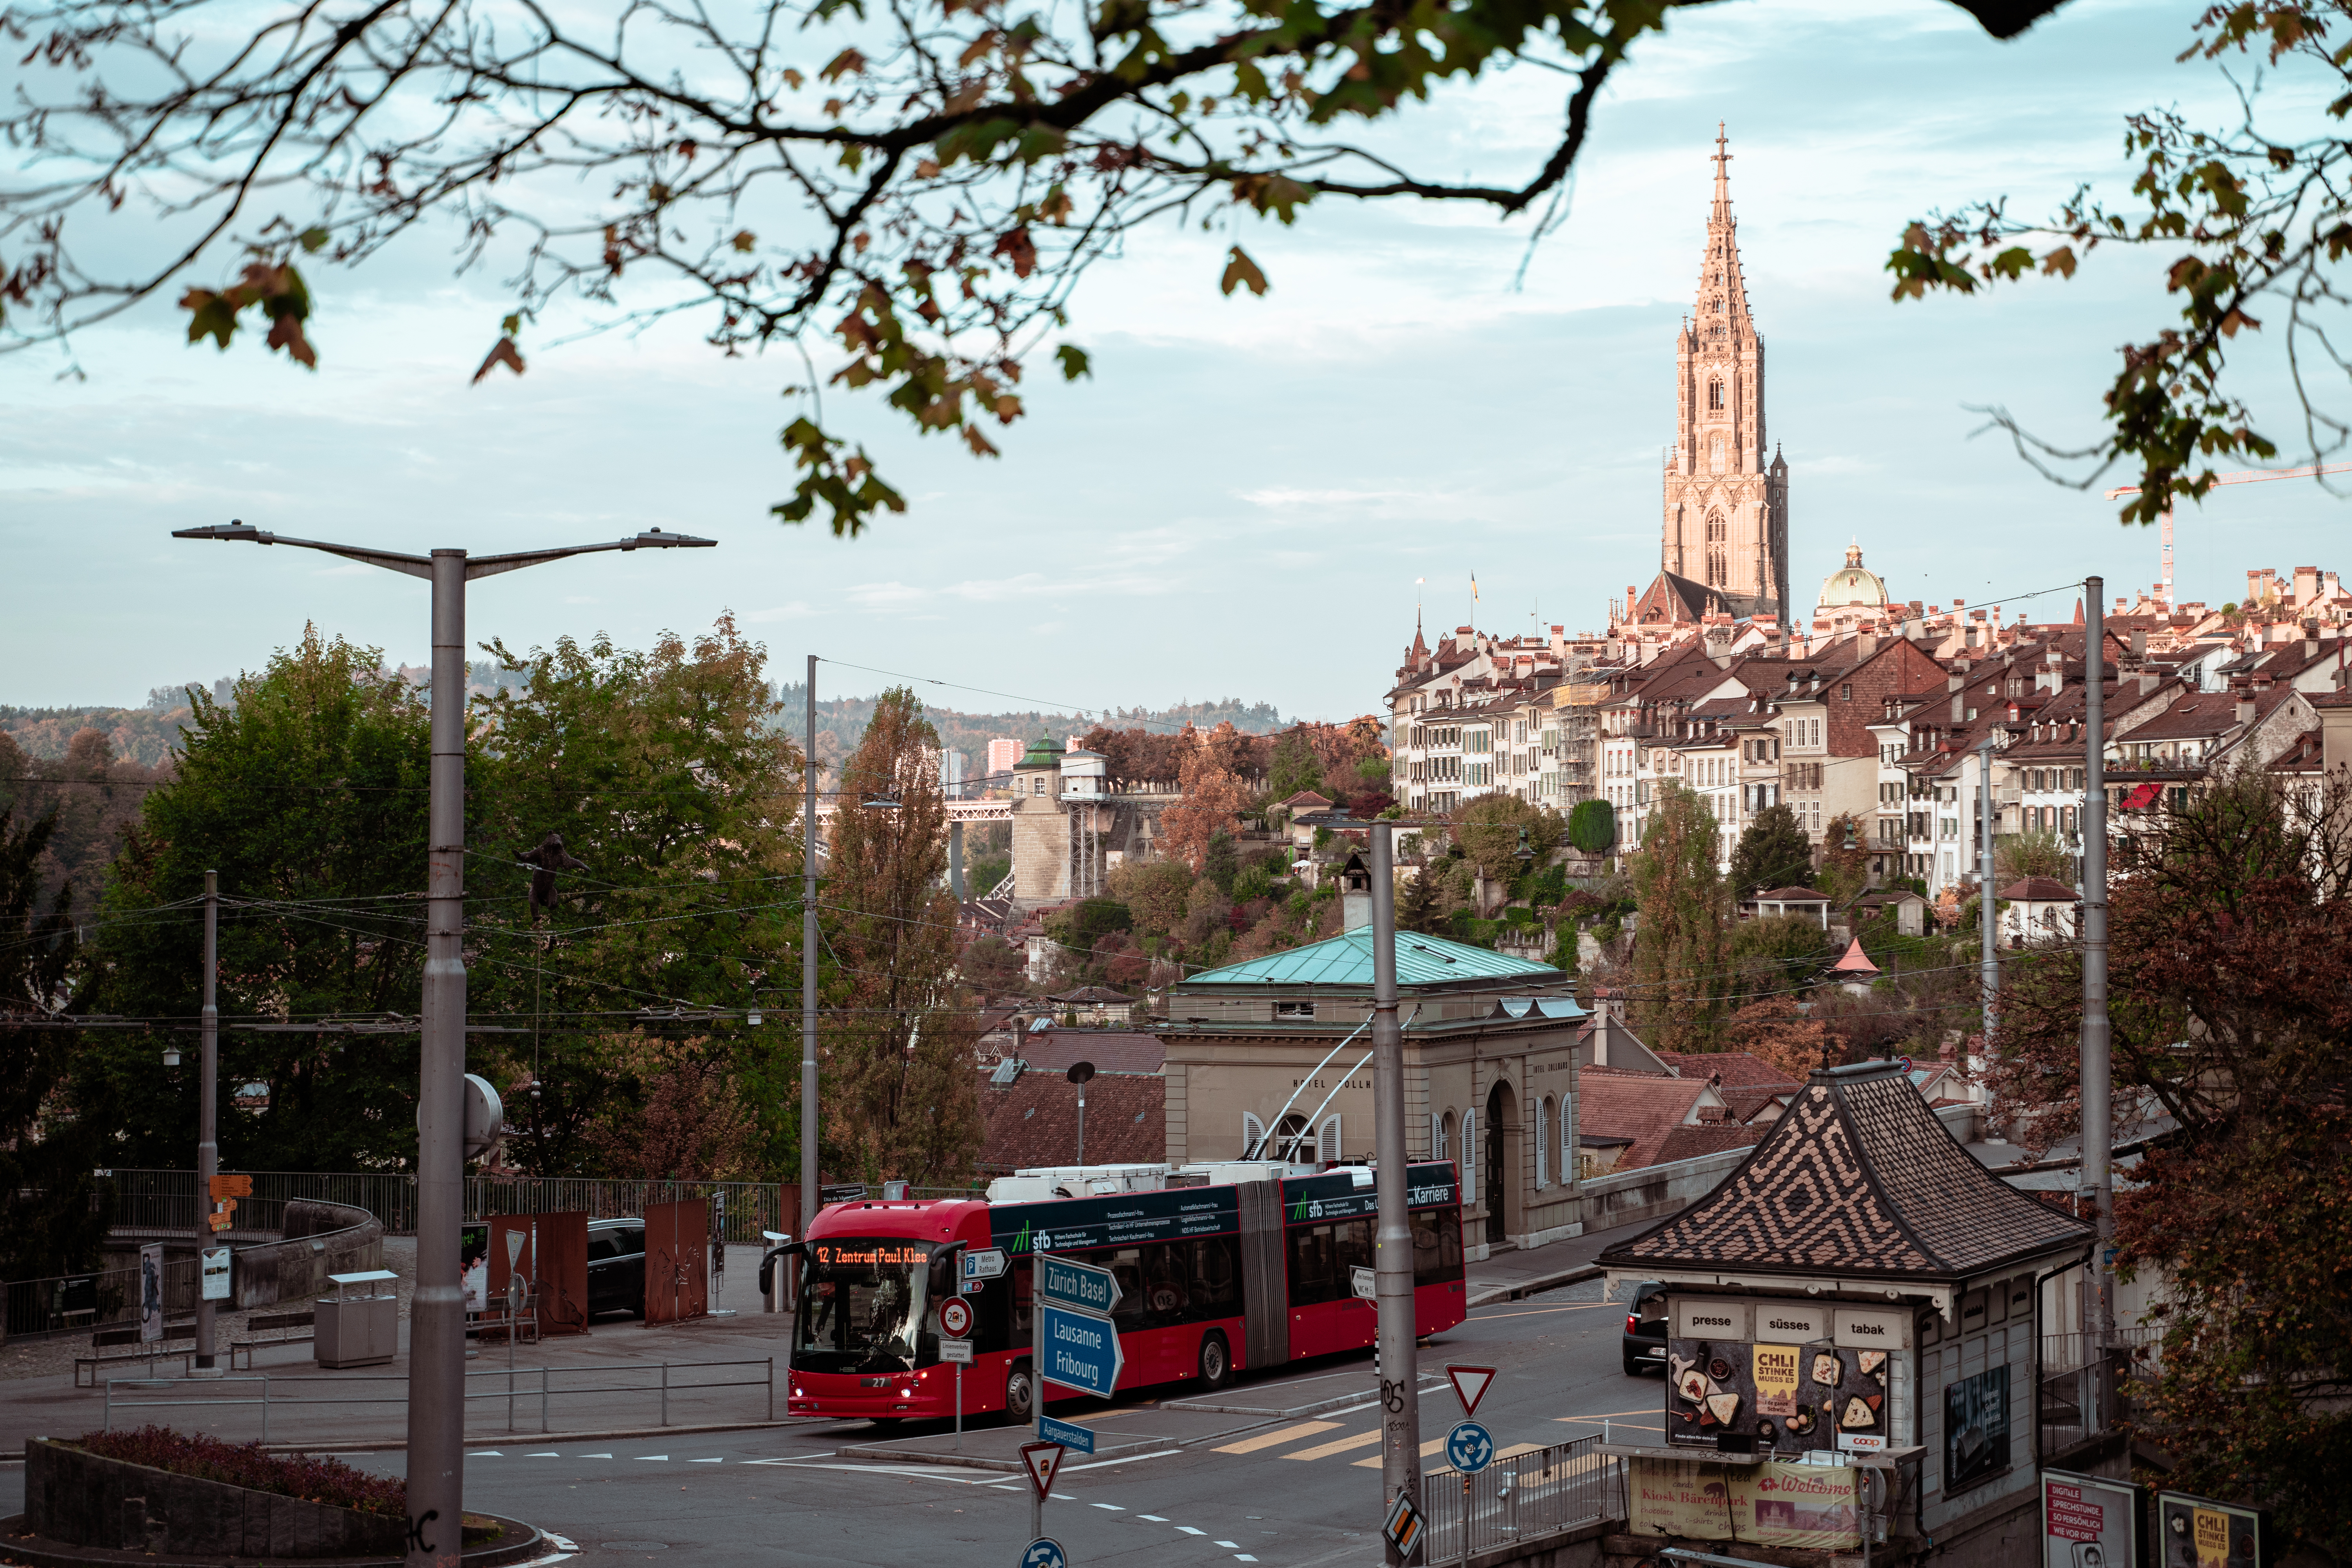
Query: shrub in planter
(312,1477)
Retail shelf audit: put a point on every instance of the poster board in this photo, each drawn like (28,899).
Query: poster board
(474,1264)
(1788,1398)
(678,1249)
(1777,1503)
(150,1292)
(2088,1521)
(2200,1533)
(552,1257)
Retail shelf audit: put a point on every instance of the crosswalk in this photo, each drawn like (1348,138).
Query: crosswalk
(1347,1445)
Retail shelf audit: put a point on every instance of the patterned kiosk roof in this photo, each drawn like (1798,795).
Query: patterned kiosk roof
(1347,960)
(1858,1178)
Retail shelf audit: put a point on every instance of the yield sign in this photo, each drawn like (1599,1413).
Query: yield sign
(1470,1385)
(1041,1461)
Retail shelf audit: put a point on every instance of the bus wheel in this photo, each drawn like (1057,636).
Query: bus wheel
(1216,1361)
(1020,1394)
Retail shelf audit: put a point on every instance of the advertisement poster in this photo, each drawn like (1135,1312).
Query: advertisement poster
(1771,1504)
(1976,1429)
(2198,1533)
(150,1292)
(473,1258)
(212,1273)
(1790,1398)
(2088,1521)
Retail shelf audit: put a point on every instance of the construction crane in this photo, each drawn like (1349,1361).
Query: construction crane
(2245,477)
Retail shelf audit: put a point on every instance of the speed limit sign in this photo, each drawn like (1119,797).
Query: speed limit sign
(955,1316)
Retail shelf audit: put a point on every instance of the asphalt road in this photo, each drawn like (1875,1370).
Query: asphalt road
(1289,1493)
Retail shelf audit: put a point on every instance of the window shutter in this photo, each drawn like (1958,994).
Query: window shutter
(1566,1138)
(1469,1156)
(1543,1145)
(1253,1136)
(1328,1140)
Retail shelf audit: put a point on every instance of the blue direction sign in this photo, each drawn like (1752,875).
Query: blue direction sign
(1078,1439)
(1079,1285)
(1044,1552)
(1469,1447)
(1082,1352)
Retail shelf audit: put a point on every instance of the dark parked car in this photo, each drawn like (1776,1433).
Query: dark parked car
(616,1266)
(1645,1328)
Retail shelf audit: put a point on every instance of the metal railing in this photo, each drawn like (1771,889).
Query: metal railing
(514,1383)
(99,1298)
(170,1201)
(2083,1392)
(1520,1499)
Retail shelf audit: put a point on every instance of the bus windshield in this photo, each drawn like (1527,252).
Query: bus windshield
(863,1305)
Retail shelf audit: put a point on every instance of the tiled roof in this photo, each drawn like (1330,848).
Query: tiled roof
(1640,1107)
(1789,896)
(1347,960)
(1738,1069)
(1693,1142)
(1091,995)
(2040,890)
(1054,1051)
(1035,1122)
(1858,1178)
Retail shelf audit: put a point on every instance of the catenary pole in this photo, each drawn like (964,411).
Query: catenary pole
(436,1344)
(2098,1115)
(1392,1254)
(208,1115)
(1988,902)
(809,1122)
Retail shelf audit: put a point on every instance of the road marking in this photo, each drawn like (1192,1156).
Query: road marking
(551,1455)
(608,1456)
(1540,1312)
(1190,1530)
(1611,1415)
(1115,1508)
(1234,1545)
(661,1458)
(494,1454)
(722,1461)
(1336,1445)
(1246,1557)
(1065,1496)
(1106,1464)
(1515,1450)
(1435,1445)
(1268,1439)
(1157,1519)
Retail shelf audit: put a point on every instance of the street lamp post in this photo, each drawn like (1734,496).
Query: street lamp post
(1392,1254)
(437,1342)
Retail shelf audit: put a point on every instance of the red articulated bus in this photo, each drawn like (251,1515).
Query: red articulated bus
(1212,1279)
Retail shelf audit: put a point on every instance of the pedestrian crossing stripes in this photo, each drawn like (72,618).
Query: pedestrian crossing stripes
(1336,1445)
(1271,1439)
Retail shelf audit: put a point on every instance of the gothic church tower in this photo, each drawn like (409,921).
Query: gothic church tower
(1727,509)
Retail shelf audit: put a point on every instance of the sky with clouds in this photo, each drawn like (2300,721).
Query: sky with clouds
(1240,500)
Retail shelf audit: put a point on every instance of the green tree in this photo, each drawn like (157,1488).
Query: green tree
(1155,892)
(308,795)
(898,1109)
(1844,872)
(2038,853)
(1780,952)
(1422,906)
(1772,852)
(1592,826)
(1294,767)
(1489,829)
(1219,863)
(1680,952)
(57,1209)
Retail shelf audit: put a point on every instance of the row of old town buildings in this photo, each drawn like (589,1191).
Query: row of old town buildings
(1871,712)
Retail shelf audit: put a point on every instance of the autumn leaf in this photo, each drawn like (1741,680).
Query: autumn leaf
(849,62)
(744,240)
(1241,270)
(502,352)
(1075,362)
(286,332)
(1015,247)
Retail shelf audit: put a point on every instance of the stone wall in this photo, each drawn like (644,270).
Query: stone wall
(320,1239)
(82,1500)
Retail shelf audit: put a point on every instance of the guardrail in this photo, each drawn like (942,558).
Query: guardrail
(518,1383)
(1518,1500)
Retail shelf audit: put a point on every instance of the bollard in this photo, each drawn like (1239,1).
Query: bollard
(771,1388)
(542,1398)
(264,1407)
(664,1420)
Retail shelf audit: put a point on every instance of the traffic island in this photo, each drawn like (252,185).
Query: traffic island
(86,1503)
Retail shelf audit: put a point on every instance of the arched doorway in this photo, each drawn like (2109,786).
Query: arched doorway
(1501,1157)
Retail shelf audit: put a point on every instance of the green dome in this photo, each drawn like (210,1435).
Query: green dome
(1044,751)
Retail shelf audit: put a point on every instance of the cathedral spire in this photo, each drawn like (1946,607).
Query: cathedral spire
(1723,157)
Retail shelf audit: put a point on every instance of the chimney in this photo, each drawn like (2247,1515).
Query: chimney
(2307,586)
(1954,681)
(1866,645)
(2245,708)
(1959,713)
(2139,642)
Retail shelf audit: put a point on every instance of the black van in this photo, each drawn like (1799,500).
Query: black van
(617,1267)
(1645,1328)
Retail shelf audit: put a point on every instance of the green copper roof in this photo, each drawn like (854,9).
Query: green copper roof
(1347,960)
(1044,751)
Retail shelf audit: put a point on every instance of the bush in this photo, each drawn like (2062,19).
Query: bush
(1593,826)
(311,1477)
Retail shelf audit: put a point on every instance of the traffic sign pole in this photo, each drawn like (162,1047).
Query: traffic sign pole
(1393,1254)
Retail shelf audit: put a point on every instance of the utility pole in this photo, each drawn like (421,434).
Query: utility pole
(809,1122)
(2099,1113)
(208,1116)
(1986,901)
(436,1339)
(1392,1254)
